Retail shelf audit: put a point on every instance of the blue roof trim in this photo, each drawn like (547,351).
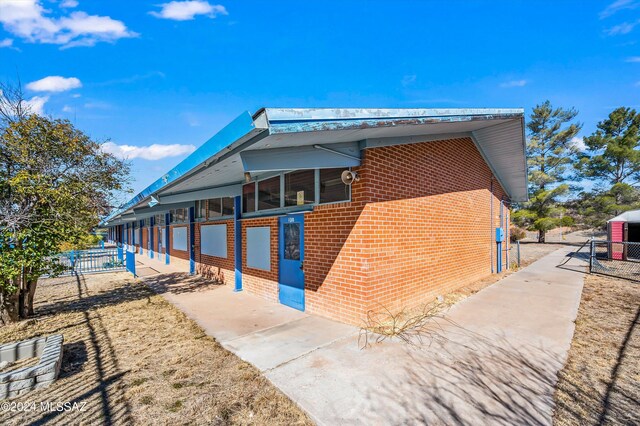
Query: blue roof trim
(235,130)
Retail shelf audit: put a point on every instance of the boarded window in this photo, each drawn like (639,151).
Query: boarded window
(179,238)
(332,189)
(259,248)
(269,193)
(299,188)
(213,240)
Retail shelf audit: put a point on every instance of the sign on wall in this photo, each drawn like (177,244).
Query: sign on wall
(259,248)
(179,238)
(213,240)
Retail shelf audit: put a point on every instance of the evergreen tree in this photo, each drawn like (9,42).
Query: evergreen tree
(550,150)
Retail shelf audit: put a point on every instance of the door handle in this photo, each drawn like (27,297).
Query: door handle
(302,266)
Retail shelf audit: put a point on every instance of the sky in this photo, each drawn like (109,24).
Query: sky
(155,80)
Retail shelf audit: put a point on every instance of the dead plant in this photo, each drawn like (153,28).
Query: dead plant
(410,325)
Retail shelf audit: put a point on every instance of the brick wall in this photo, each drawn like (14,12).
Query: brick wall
(258,281)
(212,267)
(419,225)
(145,238)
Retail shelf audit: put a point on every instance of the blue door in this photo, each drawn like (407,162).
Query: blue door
(291,261)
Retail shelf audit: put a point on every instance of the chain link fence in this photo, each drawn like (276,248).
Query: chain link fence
(617,259)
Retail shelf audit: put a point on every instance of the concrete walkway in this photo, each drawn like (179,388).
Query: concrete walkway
(493,359)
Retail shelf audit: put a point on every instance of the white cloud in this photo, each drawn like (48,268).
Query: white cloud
(187,10)
(35,105)
(633,59)
(69,3)
(617,6)
(7,42)
(578,143)
(67,108)
(54,83)
(513,83)
(28,20)
(621,29)
(151,152)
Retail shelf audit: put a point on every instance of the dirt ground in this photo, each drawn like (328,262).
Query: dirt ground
(135,359)
(600,383)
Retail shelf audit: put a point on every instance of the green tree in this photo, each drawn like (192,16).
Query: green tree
(599,206)
(550,152)
(613,152)
(55,183)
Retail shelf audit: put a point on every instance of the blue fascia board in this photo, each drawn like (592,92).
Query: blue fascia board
(235,130)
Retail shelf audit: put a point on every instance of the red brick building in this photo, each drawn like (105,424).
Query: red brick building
(337,212)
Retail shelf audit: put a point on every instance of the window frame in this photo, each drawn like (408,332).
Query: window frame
(289,209)
(281,197)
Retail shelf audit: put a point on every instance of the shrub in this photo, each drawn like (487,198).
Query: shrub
(516,233)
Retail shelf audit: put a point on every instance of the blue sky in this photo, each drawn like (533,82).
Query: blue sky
(159,78)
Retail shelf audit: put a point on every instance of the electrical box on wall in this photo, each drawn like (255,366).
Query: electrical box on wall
(499,235)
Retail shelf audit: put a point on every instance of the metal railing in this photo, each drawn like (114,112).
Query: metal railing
(614,258)
(90,261)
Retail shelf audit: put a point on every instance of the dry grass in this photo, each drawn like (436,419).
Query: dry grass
(134,358)
(600,383)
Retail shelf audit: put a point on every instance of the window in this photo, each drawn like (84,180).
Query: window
(299,188)
(269,193)
(227,206)
(292,241)
(201,209)
(332,189)
(159,219)
(249,197)
(178,216)
(214,208)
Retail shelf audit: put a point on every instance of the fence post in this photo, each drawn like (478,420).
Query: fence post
(518,251)
(592,254)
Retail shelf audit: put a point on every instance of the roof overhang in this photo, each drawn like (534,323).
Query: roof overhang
(286,139)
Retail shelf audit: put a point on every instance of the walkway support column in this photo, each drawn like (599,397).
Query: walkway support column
(152,222)
(192,240)
(237,242)
(167,220)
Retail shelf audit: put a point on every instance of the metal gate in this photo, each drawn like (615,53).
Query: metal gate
(615,258)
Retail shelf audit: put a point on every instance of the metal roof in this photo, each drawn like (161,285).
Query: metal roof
(632,216)
(219,162)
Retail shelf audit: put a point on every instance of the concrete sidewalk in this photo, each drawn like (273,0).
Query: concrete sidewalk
(493,359)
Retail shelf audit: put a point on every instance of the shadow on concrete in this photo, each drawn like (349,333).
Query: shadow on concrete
(181,282)
(469,380)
